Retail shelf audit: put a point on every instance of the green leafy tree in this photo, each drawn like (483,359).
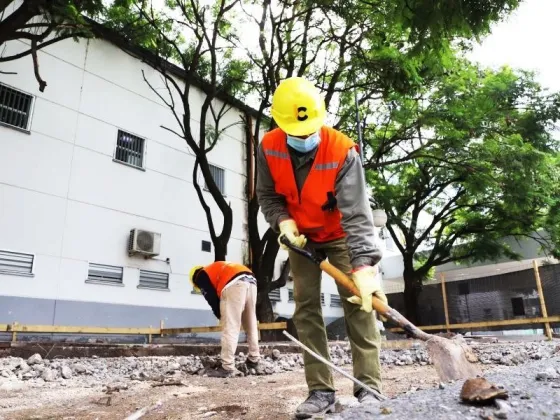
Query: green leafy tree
(364,47)
(372,48)
(40,23)
(484,167)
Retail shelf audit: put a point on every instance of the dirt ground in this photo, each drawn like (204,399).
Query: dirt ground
(273,397)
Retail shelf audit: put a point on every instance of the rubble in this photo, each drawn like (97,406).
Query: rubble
(91,371)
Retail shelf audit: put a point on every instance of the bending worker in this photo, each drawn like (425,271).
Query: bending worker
(231,291)
(312,190)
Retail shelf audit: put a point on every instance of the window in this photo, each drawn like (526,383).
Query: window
(206,246)
(275,295)
(464,288)
(106,274)
(15,107)
(153,280)
(518,306)
(335,301)
(219,178)
(130,149)
(16,263)
(291,295)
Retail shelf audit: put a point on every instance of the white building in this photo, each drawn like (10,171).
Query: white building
(86,162)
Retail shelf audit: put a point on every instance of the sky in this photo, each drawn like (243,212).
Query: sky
(527,39)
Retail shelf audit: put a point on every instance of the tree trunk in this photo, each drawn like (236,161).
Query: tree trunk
(412,290)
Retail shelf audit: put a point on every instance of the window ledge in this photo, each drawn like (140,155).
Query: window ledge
(16,273)
(129,165)
(159,289)
(104,283)
(13,127)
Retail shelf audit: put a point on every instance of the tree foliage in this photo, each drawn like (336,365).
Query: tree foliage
(40,23)
(383,50)
(484,167)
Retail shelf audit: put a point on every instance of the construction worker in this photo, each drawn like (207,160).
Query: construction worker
(312,190)
(231,291)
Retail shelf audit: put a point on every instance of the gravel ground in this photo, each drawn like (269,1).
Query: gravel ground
(59,385)
(533,388)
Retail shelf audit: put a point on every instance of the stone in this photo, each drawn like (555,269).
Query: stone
(173,367)
(66,372)
(35,359)
(184,361)
(48,375)
(276,354)
(548,374)
(209,414)
(79,368)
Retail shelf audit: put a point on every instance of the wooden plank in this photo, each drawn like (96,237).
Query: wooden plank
(218,328)
(63,329)
(444,294)
(485,324)
(547,329)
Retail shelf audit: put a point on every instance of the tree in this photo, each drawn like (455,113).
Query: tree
(374,48)
(366,47)
(192,36)
(40,23)
(484,168)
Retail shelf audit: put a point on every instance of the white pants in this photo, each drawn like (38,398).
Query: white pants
(238,307)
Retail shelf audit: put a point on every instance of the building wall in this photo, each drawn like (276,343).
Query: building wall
(64,199)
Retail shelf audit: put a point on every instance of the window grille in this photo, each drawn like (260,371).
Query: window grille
(15,107)
(274,295)
(130,149)
(291,295)
(218,174)
(100,273)
(335,301)
(16,263)
(153,280)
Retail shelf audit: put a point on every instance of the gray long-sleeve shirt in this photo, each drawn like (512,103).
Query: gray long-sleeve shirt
(351,197)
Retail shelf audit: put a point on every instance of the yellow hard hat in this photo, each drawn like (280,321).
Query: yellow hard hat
(191,277)
(298,107)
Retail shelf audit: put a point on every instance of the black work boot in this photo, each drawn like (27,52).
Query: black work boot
(220,372)
(318,402)
(365,397)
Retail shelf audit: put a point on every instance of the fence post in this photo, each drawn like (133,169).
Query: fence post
(161,328)
(444,294)
(14,332)
(547,329)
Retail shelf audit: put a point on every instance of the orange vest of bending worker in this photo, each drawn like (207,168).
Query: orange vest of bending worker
(315,211)
(222,272)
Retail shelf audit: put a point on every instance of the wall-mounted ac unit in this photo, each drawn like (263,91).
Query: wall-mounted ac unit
(144,242)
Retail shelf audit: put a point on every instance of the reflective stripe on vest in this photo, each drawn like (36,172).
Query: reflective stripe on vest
(305,207)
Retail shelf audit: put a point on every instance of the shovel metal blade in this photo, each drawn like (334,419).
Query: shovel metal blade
(452,358)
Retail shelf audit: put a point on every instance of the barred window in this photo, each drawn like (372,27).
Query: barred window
(15,107)
(274,295)
(218,174)
(16,263)
(153,280)
(108,274)
(322,299)
(291,295)
(130,149)
(335,301)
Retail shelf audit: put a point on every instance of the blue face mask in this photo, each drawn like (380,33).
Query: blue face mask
(304,145)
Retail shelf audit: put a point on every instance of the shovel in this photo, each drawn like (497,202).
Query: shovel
(452,358)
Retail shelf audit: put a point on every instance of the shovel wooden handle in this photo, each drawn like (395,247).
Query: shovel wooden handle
(377,304)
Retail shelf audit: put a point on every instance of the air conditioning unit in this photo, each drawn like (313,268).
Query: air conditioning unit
(144,242)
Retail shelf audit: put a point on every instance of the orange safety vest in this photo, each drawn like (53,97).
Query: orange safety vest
(222,272)
(311,211)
